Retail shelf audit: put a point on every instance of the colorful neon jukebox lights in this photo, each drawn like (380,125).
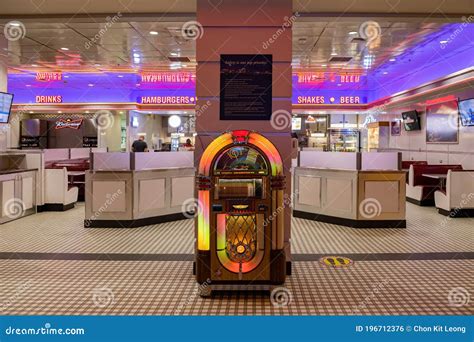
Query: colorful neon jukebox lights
(240,221)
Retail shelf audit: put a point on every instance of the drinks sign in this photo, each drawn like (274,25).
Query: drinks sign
(49,99)
(167,77)
(49,76)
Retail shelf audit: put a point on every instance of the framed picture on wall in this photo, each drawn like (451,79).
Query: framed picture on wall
(395,127)
(442,123)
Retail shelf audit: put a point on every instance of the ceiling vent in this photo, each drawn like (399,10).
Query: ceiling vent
(357,40)
(337,59)
(179,59)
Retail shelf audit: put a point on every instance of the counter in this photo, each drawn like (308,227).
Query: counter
(17,193)
(133,198)
(353,198)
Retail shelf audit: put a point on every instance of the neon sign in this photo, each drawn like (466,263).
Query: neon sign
(68,123)
(49,99)
(320,77)
(167,77)
(164,100)
(49,76)
(322,100)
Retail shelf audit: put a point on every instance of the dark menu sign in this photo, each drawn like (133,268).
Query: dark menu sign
(246,87)
(29,142)
(89,141)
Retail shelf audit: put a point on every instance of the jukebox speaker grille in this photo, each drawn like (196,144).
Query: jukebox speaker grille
(241,237)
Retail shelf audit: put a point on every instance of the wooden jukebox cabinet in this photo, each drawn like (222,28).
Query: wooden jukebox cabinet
(240,220)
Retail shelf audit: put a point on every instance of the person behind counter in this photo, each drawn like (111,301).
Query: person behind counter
(188,143)
(140,145)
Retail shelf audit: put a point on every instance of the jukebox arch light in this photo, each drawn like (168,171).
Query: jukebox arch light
(220,143)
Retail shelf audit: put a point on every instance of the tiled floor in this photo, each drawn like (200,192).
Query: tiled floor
(63,232)
(75,287)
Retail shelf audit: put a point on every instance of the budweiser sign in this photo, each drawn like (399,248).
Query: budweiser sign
(68,123)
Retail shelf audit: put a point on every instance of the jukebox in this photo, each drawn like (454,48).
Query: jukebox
(240,220)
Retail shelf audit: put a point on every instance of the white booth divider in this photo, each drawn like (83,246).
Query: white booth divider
(56,154)
(330,160)
(380,161)
(157,160)
(79,153)
(111,161)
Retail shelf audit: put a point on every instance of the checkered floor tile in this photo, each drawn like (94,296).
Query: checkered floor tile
(39,287)
(63,232)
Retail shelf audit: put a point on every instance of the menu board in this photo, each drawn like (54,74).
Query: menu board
(246,87)
(5,106)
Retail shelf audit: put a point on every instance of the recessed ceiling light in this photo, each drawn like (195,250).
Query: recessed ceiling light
(28,85)
(34,65)
(138,84)
(90,85)
(353,32)
(174,54)
(153,33)
(333,53)
(65,49)
(385,73)
(97,65)
(66,76)
(443,41)
(87,112)
(339,84)
(120,76)
(31,112)
(323,65)
(392,59)
(59,111)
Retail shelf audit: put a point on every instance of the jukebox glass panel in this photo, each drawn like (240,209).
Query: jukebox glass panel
(240,158)
(239,188)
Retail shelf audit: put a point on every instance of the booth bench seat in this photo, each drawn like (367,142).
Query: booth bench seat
(420,189)
(58,195)
(73,165)
(407,163)
(458,198)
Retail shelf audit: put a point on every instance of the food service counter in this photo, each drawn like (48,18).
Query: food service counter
(353,198)
(17,193)
(133,198)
